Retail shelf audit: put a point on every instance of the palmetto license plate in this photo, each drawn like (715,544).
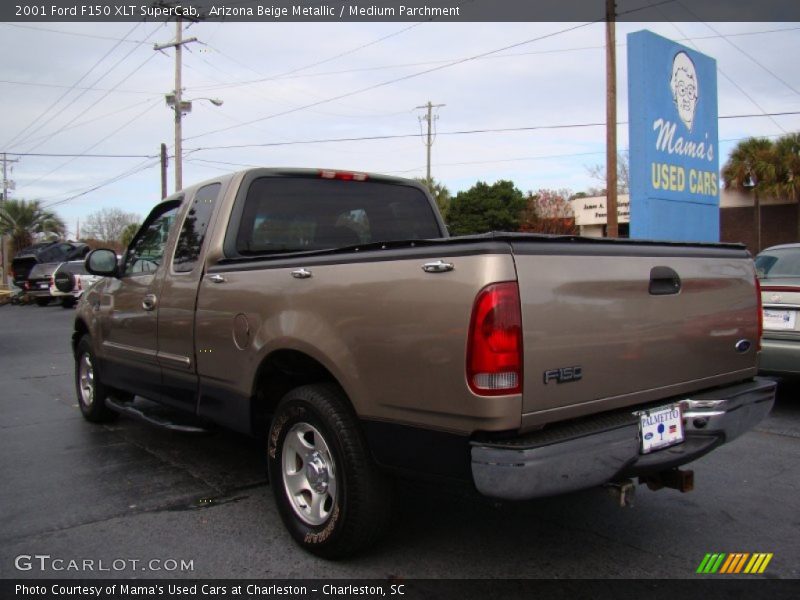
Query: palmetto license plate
(660,427)
(779,319)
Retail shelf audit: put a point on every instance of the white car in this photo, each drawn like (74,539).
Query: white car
(69,281)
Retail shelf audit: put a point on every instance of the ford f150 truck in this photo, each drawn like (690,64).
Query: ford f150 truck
(331,312)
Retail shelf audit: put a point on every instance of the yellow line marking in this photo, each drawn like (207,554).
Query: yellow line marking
(766,562)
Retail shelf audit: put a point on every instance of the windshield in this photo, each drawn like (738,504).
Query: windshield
(778,263)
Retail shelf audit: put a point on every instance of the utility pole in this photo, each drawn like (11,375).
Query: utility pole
(430,118)
(176,99)
(163,171)
(612,227)
(6,185)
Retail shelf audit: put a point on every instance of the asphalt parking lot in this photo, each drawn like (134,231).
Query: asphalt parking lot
(130,492)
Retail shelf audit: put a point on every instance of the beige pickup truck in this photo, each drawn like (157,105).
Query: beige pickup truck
(331,313)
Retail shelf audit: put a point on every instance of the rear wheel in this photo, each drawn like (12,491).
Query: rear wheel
(92,393)
(331,496)
(69,302)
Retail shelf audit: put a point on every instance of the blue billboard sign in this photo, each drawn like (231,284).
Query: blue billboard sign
(673,137)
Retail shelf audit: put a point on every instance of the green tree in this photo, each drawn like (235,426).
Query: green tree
(127,234)
(484,208)
(439,192)
(753,164)
(23,219)
(787,155)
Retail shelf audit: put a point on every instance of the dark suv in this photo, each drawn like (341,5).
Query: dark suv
(49,252)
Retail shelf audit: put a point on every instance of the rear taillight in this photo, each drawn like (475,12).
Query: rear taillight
(760,315)
(494,347)
(342,175)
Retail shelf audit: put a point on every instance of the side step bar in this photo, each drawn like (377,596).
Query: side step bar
(155,414)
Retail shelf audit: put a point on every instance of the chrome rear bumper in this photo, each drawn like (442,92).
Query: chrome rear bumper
(593,451)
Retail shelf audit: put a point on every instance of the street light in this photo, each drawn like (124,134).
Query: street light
(752,183)
(180,108)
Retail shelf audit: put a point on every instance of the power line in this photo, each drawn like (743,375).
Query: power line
(75,33)
(92,120)
(443,61)
(42,154)
(391,81)
(117,130)
(781,80)
(62,96)
(319,62)
(726,76)
(72,87)
(459,132)
(93,104)
(124,175)
(426,71)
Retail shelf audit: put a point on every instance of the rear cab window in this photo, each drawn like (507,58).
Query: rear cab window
(297,214)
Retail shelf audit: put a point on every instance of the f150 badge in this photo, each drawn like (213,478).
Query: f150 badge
(563,375)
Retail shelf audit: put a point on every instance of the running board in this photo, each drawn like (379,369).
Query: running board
(155,414)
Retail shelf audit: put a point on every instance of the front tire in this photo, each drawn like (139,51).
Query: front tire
(92,393)
(329,493)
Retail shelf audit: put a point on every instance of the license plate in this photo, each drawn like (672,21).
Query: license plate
(44,285)
(660,427)
(779,319)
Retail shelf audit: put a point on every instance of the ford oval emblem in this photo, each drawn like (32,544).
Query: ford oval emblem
(743,346)
(648,436)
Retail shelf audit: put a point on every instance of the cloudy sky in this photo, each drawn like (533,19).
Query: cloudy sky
(98,89)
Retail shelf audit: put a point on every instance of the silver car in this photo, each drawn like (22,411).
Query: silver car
(778,270)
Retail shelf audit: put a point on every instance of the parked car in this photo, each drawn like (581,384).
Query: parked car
(331,313)
(37,284)
(48,252)
(778,270)
(69,281)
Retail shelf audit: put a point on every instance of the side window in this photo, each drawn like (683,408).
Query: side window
(146,252)
(194,228)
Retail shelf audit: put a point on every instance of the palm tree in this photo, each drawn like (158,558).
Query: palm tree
(787,154)
(22,219)
(752,165)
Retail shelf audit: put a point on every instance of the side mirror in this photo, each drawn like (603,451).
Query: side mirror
(102,262)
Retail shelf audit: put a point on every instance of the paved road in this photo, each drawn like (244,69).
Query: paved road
(127,491)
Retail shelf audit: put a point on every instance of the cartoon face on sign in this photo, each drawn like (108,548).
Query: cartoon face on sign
(685,87)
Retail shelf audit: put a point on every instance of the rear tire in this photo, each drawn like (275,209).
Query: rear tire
(331,496)
(69,302)
(92,393)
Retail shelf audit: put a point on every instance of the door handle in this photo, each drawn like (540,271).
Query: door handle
(301,273)
(664,281)
(217,278)
(438,266)
(149,302)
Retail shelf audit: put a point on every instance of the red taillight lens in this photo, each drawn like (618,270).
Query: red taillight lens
(342,175)
(760,315)
(494,348)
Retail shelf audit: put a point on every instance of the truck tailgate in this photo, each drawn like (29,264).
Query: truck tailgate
(611,326)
